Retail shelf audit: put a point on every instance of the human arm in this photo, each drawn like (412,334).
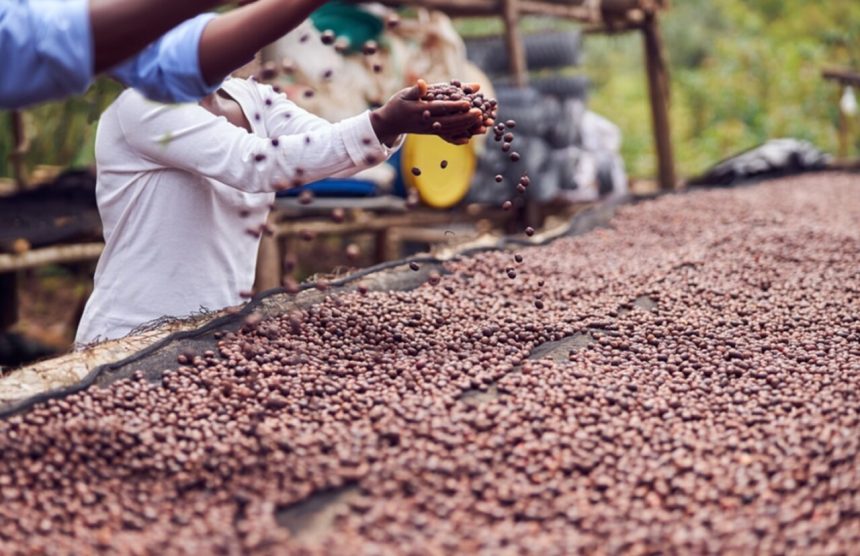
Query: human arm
(190,138)
(231,40)
(52,49)
(120,28)
(191,60)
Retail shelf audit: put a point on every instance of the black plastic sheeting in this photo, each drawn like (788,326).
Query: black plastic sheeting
(153,361)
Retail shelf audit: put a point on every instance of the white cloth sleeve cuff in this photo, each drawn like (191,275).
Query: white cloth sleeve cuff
(361,142)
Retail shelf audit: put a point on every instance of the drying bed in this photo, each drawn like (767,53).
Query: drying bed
(685,380)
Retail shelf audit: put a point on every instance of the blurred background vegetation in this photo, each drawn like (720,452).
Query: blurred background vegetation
(741,71)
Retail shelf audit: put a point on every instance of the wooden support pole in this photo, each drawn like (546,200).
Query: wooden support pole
(842,75)
(268,263)
(514,41)
(22,145)
(658,89)
(8,300)
(56,254)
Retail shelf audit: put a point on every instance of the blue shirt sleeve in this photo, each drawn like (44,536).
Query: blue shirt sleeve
(45,51)
(168,70)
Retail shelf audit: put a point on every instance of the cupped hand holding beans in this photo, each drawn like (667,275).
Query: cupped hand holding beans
(409,111)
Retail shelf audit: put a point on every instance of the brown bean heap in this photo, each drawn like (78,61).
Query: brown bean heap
(455,90)
(694,388)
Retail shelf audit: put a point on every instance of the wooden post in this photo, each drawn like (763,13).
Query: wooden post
(19,137)
(268,262)
(843,134)
(514,42)
(8,300)
(658,89)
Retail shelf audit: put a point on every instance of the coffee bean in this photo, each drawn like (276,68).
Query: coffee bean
(306,197)
(416,171)
(327,37)
(369,48)
(507,205)
(414,266)
(530,231)
(713,397)
(352,251)
(499,178)
(268,71)
(341,45)
(443,164)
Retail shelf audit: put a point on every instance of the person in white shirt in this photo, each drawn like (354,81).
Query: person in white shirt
(183,190)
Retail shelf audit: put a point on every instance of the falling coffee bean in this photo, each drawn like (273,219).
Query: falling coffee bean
(327,37)
(306,197)
(352,251)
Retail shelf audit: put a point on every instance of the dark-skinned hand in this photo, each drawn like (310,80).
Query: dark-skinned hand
(405,112)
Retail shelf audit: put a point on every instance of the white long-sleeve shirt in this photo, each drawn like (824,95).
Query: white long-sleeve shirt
(178,188)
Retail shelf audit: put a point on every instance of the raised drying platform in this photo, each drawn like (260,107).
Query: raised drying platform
(684,380)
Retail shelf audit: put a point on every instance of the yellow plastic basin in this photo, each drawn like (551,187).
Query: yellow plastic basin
(438,187)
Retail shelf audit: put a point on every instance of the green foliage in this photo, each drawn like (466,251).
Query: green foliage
(741,73)
(62,133)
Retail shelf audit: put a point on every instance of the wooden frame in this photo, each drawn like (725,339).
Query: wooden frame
(605,16)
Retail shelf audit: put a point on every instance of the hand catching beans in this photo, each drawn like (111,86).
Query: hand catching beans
(420,110)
